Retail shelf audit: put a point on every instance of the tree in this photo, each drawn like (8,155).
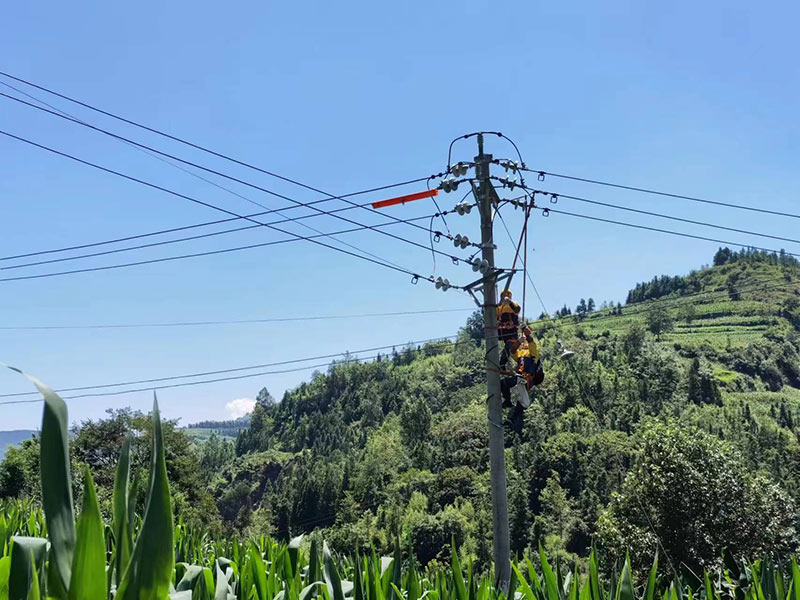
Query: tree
(687,312)
(415,425)
(590,305)
(474,327)
(722,256)
(692,495)
(659,320)
(702,385)
(580,310)
(265,399)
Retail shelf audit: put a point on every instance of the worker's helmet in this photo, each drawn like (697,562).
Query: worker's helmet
(505,293)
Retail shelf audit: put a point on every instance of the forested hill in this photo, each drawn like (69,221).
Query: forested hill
(674,425)
(699,385)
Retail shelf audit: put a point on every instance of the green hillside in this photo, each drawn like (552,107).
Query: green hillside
(672,427)
(708,361)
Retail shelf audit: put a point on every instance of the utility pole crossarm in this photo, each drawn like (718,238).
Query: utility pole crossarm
(485,199)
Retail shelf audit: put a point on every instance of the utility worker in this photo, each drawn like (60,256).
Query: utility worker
(528,357)
(507,324)
(525,351)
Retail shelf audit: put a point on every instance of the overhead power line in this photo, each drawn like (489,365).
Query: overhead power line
(206,204)
(631,188)
(209,223)
(181,140)
(667,231)
(224,371)
(670,217)
(191,238)
(238,180)
(152,261)
(230,321)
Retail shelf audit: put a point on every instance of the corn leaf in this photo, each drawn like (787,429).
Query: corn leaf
(149,573)
(123,534)
(88,580)
(56,488)
(332,579)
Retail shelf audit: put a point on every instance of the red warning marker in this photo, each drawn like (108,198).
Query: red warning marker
(404,199)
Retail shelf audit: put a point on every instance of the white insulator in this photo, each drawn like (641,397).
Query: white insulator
(445,285)
(457,240)
(484,268)
(438,283)
(464,242)
(476,264)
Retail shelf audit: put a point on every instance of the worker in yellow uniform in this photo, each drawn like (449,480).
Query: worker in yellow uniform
(528,373)
(507,325)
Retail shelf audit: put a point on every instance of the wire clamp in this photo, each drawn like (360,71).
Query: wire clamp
(437,236)
(541,175)
(545,212)
(415,280)
(554,198)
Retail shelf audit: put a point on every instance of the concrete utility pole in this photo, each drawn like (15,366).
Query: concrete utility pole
(497,458)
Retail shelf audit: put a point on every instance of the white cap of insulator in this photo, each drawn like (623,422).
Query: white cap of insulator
(454,184)
(460,209)
(445,186)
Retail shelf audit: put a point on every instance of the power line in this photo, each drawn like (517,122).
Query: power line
(151,261)
(209,223)
(241,181)
(202,203)
(178,139)
(225,371)
(183,239)
(663,216)
(229,322)
(668,231)
(542,174)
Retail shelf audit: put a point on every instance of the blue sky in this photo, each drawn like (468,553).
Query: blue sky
(696,98)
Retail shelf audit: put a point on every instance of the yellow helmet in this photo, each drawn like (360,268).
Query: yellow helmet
(505,293)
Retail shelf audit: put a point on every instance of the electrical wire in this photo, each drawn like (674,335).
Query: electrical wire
(226,371)
(668,231)
(238,180)
(151,261)
(181,140)
(209,223)
(202,203)
(229,322)
(665,194)
(179,240)
(670,217)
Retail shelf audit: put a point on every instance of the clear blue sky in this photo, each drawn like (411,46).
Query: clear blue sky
(696,98)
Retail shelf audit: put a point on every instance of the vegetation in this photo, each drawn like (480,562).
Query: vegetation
(673,429)
(49,554)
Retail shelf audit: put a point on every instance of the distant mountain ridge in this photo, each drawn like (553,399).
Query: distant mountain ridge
(12,438)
